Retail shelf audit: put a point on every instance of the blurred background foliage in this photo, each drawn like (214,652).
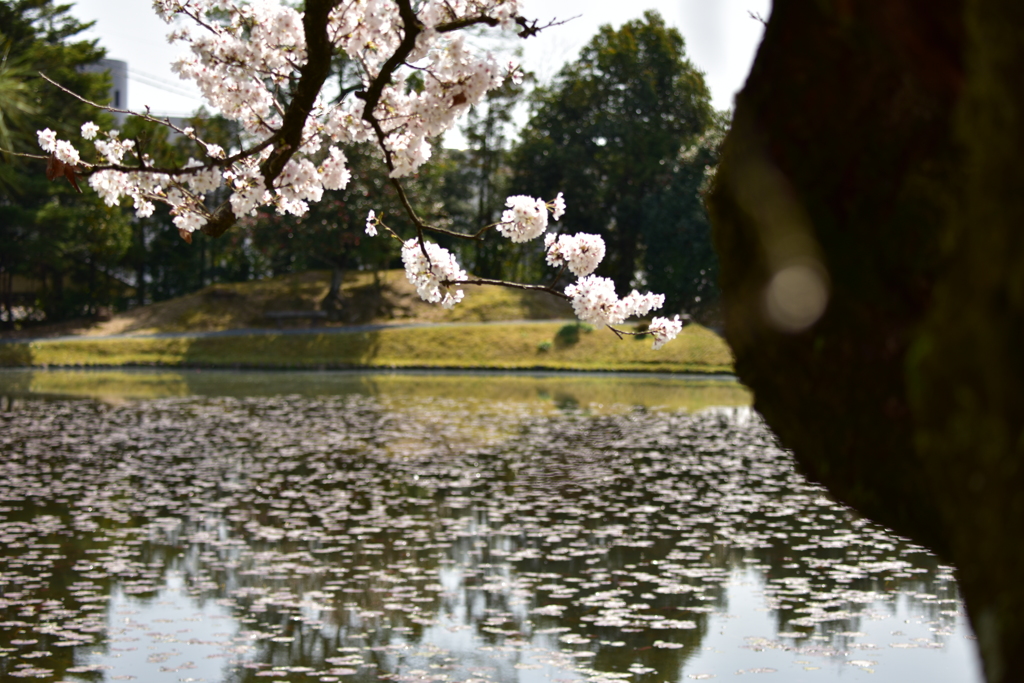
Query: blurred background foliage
(626,132)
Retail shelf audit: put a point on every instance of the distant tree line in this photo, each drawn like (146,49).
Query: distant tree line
(626,132)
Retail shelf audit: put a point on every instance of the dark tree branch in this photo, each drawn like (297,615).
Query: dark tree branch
(288,138)
(412,27)
(312,76)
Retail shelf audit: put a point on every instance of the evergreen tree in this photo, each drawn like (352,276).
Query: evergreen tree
(684,266)
(68,243)
(608,131)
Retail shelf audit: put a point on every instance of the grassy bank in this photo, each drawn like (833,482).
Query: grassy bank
(367,298)
(499,346)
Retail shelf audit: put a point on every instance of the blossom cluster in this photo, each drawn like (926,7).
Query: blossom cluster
(594,301)
(525,218)
(62,149)
(664,330)
(581,253)
(432,269)
(435,272)
(245,58)
(248,57)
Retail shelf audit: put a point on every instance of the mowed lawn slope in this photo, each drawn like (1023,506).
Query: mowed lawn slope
(542,345)
(368,298)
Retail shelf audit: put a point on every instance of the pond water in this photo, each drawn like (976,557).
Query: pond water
(478,528)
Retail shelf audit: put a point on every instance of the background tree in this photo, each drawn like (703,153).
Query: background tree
(17,104)
(331,235)
(70,243)
(607,131)
(269,70)
(477,180)
(684,265)
(162,264)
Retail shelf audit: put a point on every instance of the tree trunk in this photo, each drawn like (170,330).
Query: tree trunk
(333,302)
(140,262)
(56,298)
(868,214)
(7,290)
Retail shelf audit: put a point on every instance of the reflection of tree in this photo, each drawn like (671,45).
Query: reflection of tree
(352,534)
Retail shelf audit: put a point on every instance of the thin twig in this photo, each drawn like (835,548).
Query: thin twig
(479,233)
(189,170)
(22,154)
(195,18)
(554,280)
(505,283)
(113,110)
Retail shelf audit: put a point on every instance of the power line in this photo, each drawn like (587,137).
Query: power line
(160,79)
(160,84)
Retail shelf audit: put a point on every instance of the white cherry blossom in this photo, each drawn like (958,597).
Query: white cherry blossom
(66,152)
(250,60)
(525,218)
(581,253)
(429,277)
(558,207)
(47,140)
(594,301)
(334,174)
(664,330)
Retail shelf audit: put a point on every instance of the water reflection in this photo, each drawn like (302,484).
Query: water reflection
(387,528)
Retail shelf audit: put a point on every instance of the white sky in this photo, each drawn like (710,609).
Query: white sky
(721,39)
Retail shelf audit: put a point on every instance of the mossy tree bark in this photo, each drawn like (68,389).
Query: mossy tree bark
(869,217)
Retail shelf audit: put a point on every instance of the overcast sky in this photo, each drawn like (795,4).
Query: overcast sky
(721,39)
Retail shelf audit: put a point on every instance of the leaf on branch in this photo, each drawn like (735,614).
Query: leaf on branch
(185,235)
(460,98)
(55,168)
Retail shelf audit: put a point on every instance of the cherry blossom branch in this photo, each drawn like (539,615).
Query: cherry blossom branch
(529,28)
(198,19)
(625,333)
(684,318)
(264,66)
(298,47)
(288,138)
(412,27)
(142,168)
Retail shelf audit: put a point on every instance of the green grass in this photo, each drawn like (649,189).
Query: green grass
(498,346)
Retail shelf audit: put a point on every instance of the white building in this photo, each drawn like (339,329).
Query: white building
(118,71)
